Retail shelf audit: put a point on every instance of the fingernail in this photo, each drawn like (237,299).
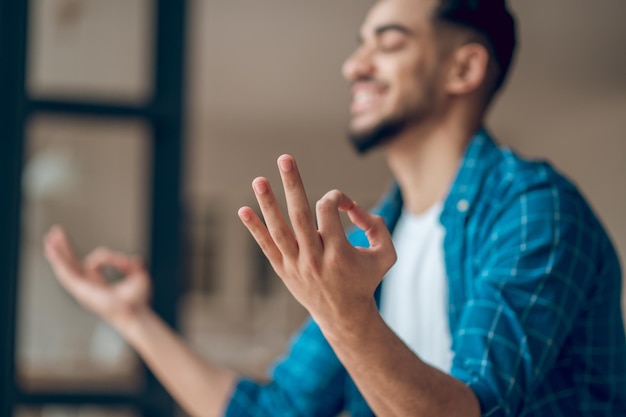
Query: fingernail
(260,187)
(244,215)
(285,163)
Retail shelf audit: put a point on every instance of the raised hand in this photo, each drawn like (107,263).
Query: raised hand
(331,278)
(113,301)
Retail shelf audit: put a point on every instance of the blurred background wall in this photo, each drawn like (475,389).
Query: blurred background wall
(263,79)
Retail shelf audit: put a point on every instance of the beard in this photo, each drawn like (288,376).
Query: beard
(394,125)
(376,136)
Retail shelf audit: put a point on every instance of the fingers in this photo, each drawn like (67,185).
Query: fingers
(331,229)
(374,226)
(298,206)
(102,257)
(304,237)
(328,219)
(69,269)
(58,242)
(260,234)
(381,243)
(275,222)
(61,256)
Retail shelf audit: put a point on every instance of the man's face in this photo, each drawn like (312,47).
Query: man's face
(393,72)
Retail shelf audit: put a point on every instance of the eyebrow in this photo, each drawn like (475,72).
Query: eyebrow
(392,26)
(387,28)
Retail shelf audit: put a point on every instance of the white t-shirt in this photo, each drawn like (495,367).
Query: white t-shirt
(414,298)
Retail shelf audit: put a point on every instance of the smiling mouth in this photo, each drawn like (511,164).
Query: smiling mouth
(366,96)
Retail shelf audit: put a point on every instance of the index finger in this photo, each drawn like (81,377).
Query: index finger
(374,226)
(298,205)
(102,257)
(59,253)
(328,208)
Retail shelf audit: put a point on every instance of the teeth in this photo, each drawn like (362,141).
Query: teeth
(363,96)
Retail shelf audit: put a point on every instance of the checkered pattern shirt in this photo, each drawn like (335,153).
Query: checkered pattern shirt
(534,303)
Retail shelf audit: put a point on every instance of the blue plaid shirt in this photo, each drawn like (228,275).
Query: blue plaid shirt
(534,303)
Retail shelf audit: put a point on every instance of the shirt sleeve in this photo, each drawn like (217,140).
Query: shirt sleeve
(308,381)
(534,270)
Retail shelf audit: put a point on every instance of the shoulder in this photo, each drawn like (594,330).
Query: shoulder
(530,203)
(519,187)
(510,176)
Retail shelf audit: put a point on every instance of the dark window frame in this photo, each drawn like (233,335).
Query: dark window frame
(164,114)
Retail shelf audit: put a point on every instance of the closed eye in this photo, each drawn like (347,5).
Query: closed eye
(391,41)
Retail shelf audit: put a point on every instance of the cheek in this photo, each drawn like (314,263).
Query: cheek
(425,81)
(411,79)
(411,86)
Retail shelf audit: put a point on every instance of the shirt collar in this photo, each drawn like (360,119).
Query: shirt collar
(463,191)
(470,175)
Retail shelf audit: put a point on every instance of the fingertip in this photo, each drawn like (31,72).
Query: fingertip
(245,213)
(286,162)
(48,250)
(347,204)
(360,217)
(260,185)
(57,230)
(53,237)
(361,210)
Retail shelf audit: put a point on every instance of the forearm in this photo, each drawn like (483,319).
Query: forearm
(200,388)
(393,380)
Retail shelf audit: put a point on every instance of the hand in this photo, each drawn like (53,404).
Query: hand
(331,278)
(114,302)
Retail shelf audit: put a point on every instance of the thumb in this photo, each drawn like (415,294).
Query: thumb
(102,257)
(381,244)
(374,226)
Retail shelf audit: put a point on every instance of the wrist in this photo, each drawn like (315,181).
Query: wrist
(352,325)
(130,320)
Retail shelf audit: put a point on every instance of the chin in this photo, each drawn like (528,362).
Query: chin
(365,140)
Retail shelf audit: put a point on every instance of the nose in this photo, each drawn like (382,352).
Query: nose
(358,65)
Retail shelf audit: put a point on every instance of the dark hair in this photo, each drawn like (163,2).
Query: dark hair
(490,18)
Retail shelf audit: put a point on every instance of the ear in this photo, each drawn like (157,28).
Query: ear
(468,69)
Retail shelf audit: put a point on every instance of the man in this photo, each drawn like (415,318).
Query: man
(504,300)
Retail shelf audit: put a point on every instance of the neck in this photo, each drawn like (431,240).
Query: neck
(425,158)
